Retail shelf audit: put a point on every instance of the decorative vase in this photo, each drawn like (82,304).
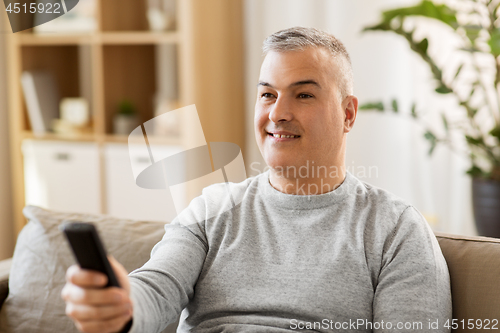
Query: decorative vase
(486,205)
(161,15)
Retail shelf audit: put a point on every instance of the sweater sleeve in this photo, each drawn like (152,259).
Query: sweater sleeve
(164,285)
(413,289)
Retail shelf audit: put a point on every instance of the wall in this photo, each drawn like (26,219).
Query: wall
(6,223)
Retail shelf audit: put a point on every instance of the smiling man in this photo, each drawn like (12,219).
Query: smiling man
(315,250)
(304,109)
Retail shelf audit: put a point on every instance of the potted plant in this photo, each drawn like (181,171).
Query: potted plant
(477,23)
(125,119)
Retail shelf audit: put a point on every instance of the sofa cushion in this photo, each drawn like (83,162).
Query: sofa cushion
(474,265)
(42,256)
(4,279)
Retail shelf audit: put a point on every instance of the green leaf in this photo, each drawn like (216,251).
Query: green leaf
(414,111)
(472,90)
(431,149)
(394,105)
(470,49)
(430,136)
(496,132)
(474,141)
(443,90)
(472,32)
(423,45)
(126,108)
(477,172)
(384,26)
(432,140)
(372,106)
(445,122)
(458,70)
(426,8)
(471,113)
(494,42)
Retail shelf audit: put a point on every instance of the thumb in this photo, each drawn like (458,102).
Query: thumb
(121,273)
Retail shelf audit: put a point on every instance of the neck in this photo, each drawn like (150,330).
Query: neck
(307,179)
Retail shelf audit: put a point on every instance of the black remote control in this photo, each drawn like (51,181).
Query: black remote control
(88,249)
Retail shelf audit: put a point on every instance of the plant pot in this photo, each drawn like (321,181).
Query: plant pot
(124,124)
(486,205)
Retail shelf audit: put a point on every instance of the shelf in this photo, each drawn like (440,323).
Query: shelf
(108,138)
(62,61)
(152,140)
(54,39)
(108,38)
(125,60)
(123,15)
(62,137)
(129,74)
(145,37)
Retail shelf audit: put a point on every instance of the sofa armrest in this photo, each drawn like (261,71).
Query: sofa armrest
(4,279)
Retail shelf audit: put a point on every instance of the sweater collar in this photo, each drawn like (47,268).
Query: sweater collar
(298,202)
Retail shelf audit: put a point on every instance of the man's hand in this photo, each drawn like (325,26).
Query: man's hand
(94,308)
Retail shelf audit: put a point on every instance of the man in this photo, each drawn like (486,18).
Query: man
(309,246)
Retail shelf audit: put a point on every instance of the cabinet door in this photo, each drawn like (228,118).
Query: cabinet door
(62,176)
(123,197)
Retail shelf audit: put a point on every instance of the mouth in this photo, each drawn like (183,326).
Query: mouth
(282,136)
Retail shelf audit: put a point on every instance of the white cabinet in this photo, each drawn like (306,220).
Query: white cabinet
(62,176)
(88,178)
(126,199)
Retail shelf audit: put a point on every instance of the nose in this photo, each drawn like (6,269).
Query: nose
(280,111)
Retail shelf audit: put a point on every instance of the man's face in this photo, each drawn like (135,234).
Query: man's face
(298,96)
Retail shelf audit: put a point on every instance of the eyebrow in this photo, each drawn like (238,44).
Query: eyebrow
(298,83)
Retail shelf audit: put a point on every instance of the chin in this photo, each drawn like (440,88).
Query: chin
(282,163)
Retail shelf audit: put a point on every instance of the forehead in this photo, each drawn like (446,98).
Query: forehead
(313,63)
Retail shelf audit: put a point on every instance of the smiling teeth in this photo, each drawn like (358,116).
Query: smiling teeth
(284,136)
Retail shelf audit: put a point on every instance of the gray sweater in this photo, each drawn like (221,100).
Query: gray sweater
(357,259)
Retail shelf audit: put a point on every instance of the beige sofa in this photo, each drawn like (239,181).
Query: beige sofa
(41,258)
(474,264)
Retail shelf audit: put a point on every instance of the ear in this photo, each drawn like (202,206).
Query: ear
(350,107)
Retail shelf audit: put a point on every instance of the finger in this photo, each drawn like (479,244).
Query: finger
(82,312)
(108,296)
(85,278)
(121,273)
(103,326)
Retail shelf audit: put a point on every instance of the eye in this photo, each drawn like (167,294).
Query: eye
(267,95)
(304,96)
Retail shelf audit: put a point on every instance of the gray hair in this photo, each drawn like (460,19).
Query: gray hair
(299,38)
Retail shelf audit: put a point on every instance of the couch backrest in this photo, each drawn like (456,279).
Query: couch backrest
(474,265)
(4,279)
(42,256)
